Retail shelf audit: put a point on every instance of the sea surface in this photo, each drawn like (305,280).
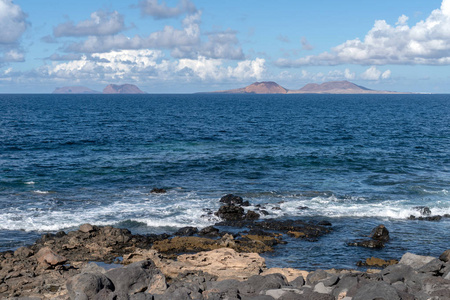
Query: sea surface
(355,160)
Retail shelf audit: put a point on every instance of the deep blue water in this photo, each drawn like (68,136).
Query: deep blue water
(355,160)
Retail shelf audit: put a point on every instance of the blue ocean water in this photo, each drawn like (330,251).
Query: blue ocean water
(354,160)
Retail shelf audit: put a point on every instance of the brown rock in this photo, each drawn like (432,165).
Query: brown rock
(378,262)
(23,252)
(297,234)
(48,256)
(86,228)
(445,256)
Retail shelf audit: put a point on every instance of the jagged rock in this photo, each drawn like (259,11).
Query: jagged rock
(187,231)
(209,231)
(48,256)
(232,199)
(380,233)
(251,215)
(433,266)
(257,283)
(397,273)
(230,212)
(415,261)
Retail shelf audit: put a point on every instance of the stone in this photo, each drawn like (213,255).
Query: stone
(376,290)
(424,210)
(380,233)
(23,252)
(230,212)
(297,282)
(48,256)
(331,280)
(397,273)
(322,289)
(257,283)
(316,276)
(377,262)
(86,228)
(158,191)
(187,231)
(134,278)
(433,266)
(209,231)
(445,257)
(232,199)
(251,215)
(290,273)
(415,261)
(367,244)
(88,285)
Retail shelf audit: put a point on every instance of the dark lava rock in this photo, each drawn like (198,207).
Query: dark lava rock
(251,215)
(324,223)
(424,210)
(209,231)
(134,278)
(230,212)
(158,191)
(264,212)
(380,233)
(432,218)
(307,231)
(376,290)
(232,199)
(186,231)
(88,285)
(367,244)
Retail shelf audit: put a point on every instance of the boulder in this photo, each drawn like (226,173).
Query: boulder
(397,273)
(23,252)
(48,256)
(230,212)
(251,215)
(433,266)
(316,276)
(187,231)
(232,199)
(424,210)
(209,231)
(415,261)
(377,262)
(88,285)
(257,283)
(291,274)
(376,290)
(135,278)
(86,228)
(445,257)
(380,233)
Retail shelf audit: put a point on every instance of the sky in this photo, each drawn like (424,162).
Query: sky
(185,46)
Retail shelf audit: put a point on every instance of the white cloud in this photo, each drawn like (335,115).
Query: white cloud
(162,11)
(427,42)
(145,65)
(349,75)
(101,23)
(13,55)
(305,44)
(12,22)
(373,73)
(169,38)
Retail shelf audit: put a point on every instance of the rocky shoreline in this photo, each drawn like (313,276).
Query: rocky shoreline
(112,263)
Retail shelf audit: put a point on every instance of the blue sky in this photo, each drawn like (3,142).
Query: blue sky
(177,46)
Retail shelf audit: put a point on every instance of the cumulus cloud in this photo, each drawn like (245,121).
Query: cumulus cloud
(144,65)
(168,38)
(373,73)
(427,42)
(101,23)
(12,22)
(162,11)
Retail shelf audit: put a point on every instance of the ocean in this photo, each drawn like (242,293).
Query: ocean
(356,161)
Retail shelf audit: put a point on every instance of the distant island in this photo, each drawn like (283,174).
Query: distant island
(332,87)
(109,89)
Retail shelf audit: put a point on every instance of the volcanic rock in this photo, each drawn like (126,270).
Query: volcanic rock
(380,233)
(48,256)
(230,212)
(232,199)
(445,256)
